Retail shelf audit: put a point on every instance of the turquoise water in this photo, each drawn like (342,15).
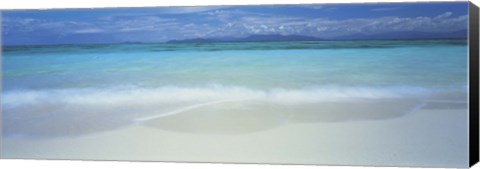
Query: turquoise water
(254,65)
(52,82)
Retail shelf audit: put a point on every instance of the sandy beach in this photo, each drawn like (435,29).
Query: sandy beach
(432,136)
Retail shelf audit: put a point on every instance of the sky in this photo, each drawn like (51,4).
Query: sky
(147,25)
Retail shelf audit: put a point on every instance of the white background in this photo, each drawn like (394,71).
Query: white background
(54,164)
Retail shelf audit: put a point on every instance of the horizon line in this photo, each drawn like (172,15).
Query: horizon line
(168,42)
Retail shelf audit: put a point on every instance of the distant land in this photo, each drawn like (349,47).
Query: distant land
(106,39)
(382,36)
(251,38)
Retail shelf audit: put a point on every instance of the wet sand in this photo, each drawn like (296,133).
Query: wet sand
(435,135)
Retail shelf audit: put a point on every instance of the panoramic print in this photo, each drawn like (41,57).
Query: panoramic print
(325,84)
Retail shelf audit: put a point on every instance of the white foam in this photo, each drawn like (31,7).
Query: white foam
(184,109)
(170,94)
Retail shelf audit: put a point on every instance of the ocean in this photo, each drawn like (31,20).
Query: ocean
(76,90)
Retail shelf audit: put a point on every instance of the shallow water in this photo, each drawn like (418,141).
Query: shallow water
(60,91)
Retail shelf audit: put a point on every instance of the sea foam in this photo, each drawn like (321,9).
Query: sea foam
(172,94)
(80,111)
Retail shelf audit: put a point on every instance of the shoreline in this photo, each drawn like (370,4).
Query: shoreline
(419,139)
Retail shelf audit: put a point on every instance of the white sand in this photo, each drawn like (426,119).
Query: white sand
(430,137)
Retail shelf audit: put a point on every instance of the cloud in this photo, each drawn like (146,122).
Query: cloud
(107,25)
(386,9)
(88,30)
(208,22)
(444,15)
(314,6)
(187,10)
(244,25)
(138,23)
(320,7)
(26,25)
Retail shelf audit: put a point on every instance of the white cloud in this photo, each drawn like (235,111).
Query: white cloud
(140,23)
(444,15)
(186,10)
(385,9)
(236,23)
(324,27)
(314,6)
(88,30)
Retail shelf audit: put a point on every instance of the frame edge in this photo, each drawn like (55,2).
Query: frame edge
(473,46)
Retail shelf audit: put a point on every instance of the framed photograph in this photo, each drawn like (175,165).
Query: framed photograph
(369,84)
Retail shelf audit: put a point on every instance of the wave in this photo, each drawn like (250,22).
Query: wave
(172,94)
(82,111)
